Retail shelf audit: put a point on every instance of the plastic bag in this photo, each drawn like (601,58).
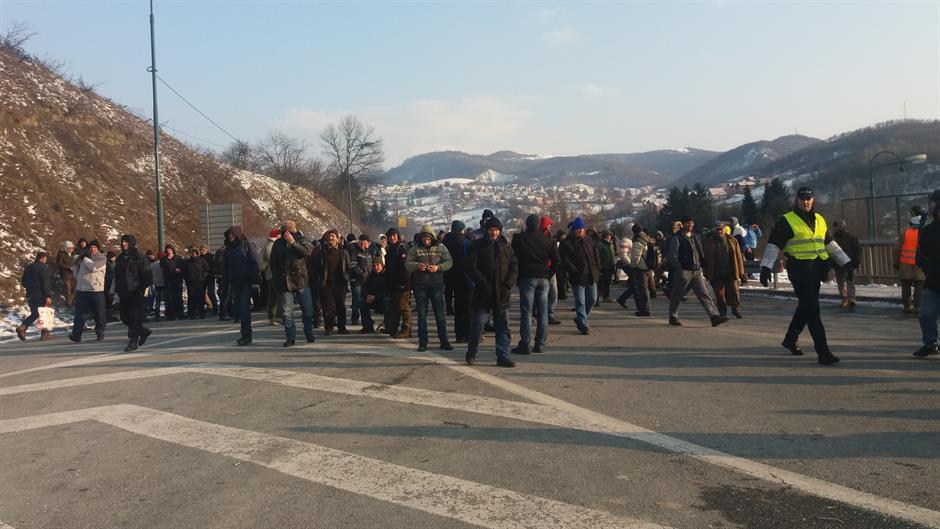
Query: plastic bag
(46,317)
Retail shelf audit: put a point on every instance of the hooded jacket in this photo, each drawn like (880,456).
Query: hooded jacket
(242,260)
(131,271)
(435,254)
(65,261)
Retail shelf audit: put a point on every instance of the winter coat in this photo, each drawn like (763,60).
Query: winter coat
(195,270)
(89,272)
(396,274)
(37,280)
(287,263)
(849,244)
(242,261)
(457,245)
(580,259)
(326,275)
(131,272)
(685,252)
(156,272)
(726,258)
(375,285)
(436,254)
(605,255)
(929,252)
(266,259)
(753,236)
(65,262)
(170,267)
(639,251)
(360,264)
(494,269)
(537,254)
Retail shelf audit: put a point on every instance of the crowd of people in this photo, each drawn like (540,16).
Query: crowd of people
(470,274)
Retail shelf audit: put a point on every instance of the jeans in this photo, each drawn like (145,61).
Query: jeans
(500,322)
(89,302)
(34,305)
(533,291)
(159,295)
(552,296)
(584,298)
(355,291)
(434,293)
(285,305)
(241,294)
(929,308)
(683,281)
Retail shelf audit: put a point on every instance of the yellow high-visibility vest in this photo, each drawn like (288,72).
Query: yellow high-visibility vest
(806,244)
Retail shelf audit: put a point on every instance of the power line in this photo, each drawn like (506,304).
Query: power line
(178,131)
(201,113)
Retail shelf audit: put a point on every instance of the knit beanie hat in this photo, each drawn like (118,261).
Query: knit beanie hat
(494,223)
(457,225)
(577,224)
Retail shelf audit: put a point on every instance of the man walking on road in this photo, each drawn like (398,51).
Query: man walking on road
(538,259)
(132,277)
(803,236)
(37,280)
(685,272)
(89,290)
(288,269)
(724,268)
(582,265)
(493,268)
(928,258)
(242,267)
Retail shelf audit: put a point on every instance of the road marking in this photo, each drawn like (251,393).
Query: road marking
(112,357)
(449,497)
(599,423)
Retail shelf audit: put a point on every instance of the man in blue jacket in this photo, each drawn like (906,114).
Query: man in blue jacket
(37,280)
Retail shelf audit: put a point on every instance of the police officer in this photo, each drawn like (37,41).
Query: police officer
(803,236)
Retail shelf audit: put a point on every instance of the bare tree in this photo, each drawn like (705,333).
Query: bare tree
(282,157)
(355,153)
(238,155)
(16,35)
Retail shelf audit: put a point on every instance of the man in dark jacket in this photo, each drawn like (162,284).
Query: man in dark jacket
(399,286)
(455,279)
(538,259)
(360,264)
(374,295)
(928,259)
(686,258)
(242,269)
(132,277)
(845,275)
(582,266)
(332,277)
(173,275)
(37,280)
(288,269)
(493,267)
(195,271)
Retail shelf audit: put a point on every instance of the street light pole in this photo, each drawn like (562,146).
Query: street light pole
(899,163)
(156,131)
(349,186)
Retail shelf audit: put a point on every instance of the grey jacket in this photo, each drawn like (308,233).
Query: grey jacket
(89,272)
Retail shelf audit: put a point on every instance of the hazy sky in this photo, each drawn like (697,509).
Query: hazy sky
(544,78)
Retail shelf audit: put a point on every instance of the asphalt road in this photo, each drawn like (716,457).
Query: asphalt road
(636,425)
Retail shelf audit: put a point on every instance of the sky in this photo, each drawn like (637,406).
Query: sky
(547,78)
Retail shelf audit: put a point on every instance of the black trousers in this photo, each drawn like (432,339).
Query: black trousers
(333,305)
(132,312)
(463,314)
(603,285)
(805,278)
(195,299)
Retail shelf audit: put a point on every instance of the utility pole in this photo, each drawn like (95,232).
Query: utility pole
(156,131)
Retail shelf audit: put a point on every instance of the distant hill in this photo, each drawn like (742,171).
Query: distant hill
(75,164)
(634,169)
(748,159)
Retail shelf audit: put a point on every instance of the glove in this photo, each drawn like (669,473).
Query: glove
(765,276)
(850,274)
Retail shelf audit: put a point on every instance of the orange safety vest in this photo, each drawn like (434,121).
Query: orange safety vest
(909,248)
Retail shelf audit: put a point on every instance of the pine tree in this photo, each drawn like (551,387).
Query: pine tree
(776,201)
(749,210)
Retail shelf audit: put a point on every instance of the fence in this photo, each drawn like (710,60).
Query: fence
(891,214)
(876,264)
